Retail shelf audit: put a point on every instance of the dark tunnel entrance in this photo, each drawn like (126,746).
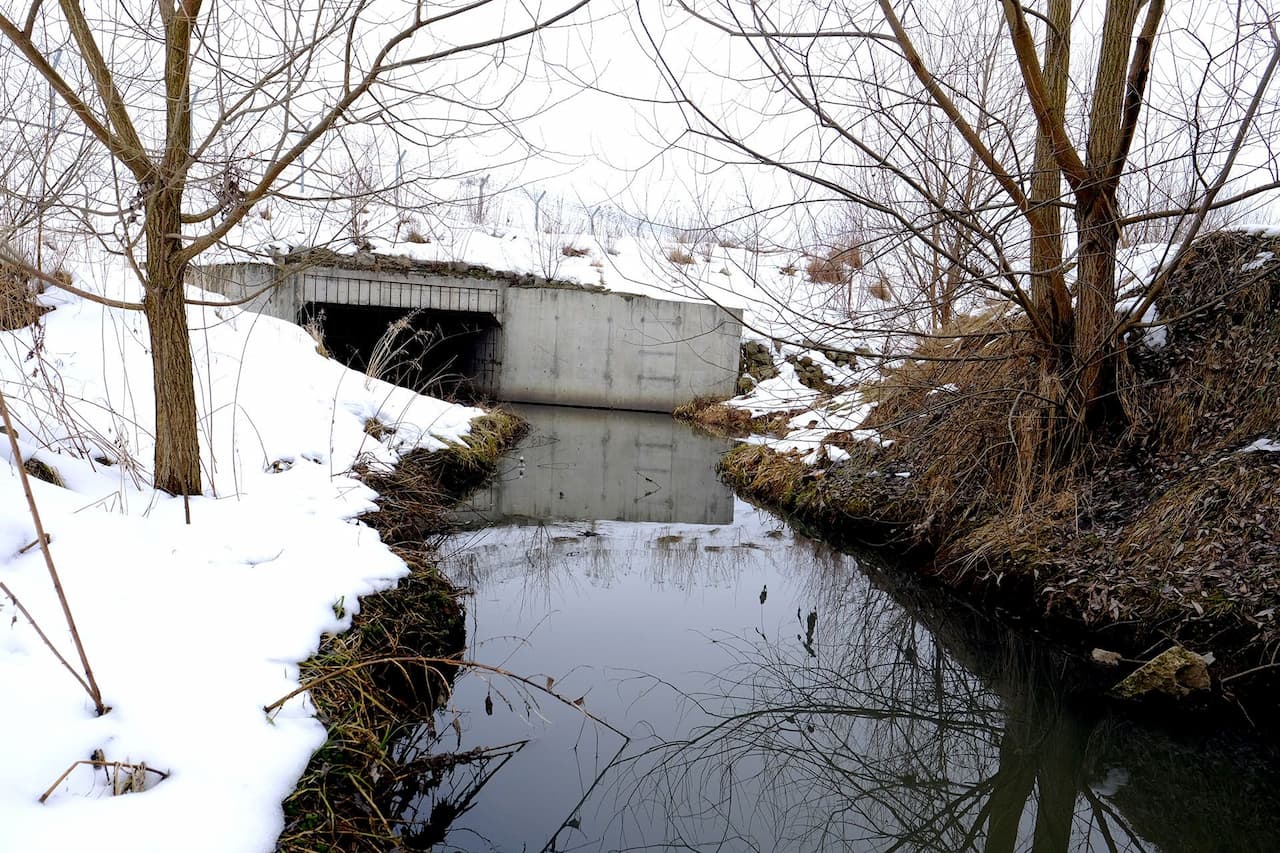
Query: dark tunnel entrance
(450,354)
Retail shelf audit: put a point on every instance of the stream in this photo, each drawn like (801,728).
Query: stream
(689,673)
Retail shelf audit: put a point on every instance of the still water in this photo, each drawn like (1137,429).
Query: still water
(719,682)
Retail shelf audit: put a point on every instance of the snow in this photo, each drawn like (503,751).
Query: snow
(1260,260)
(1262,445)
(190,630)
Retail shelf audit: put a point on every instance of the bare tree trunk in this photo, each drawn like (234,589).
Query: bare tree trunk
(177,458)
(1048,285)
(1097,217)
(1096,304)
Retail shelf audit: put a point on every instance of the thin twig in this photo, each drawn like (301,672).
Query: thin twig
(41,634)
(33,543)
(88,681)
(1256,669)
(403,659)
(117,765)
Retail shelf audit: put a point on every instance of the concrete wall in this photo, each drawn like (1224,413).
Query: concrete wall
(237,281)
(559,345)
(612,350)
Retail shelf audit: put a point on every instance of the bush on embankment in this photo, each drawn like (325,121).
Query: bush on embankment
(375,684)
(1165,530)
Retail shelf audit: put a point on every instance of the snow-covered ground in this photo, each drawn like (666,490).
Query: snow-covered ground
(190,629)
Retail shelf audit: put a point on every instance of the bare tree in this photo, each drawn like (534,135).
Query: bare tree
(975,155)
(196,111)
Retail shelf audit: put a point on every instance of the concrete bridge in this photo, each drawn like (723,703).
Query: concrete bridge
(501,335)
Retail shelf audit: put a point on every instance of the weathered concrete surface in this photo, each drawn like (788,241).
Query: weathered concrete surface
(615,350)
(559,344)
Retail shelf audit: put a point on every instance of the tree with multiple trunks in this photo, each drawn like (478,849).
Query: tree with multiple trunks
(969,132)
(187,114)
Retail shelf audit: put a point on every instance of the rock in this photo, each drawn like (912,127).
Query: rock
(1104,657)
(1176,673)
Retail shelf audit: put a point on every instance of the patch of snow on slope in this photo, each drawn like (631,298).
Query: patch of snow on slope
(190,630)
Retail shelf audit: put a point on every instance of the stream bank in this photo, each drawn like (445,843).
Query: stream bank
(1165,531)
(374,683)
(764,691)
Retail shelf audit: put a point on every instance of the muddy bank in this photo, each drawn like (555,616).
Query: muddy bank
(374,685)
(1164,530)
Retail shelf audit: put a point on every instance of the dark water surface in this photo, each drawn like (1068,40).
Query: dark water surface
(763,691)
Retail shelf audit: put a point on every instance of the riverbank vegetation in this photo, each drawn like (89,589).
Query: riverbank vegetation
(1160,529)
(377,686)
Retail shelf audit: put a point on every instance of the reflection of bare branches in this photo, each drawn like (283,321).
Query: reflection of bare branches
(437,788)
(884,740)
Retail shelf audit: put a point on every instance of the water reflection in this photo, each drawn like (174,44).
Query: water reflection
(770,693)
(590,464)
(921,727)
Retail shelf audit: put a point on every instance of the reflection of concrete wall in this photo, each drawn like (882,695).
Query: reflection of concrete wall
(579,348)
(559,344)
(582,464)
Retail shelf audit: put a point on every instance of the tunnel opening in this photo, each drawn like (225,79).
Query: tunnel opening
(447,354)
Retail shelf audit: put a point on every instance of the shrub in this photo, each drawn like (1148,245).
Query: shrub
(837,267)
(881,289)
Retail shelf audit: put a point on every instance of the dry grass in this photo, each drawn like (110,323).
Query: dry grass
(837,266)
(827,271)
(314,327)
(571,251)
(881,289)
(372,686)
(679,256)
(18,305)
(43,471)
(972,420)
(377,686)
(713,416)
(1158,529)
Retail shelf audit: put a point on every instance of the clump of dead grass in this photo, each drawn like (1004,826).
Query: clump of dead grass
(970,420)
(716,417)
(18,305)
(314,327)
(837,266)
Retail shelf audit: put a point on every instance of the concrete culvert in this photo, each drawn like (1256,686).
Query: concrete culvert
(450,354)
